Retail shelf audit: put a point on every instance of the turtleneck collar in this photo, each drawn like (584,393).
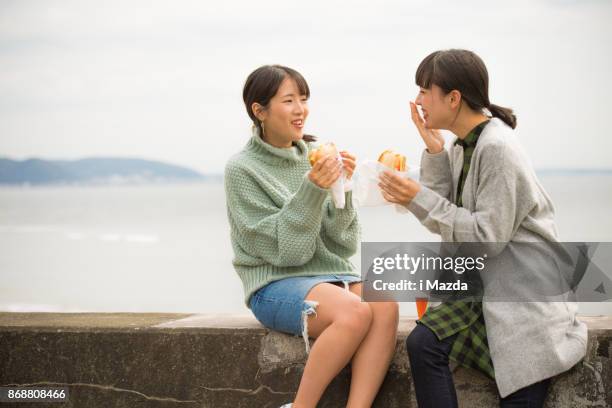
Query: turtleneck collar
(277,155)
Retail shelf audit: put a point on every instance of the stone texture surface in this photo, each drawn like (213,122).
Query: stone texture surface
(182,360)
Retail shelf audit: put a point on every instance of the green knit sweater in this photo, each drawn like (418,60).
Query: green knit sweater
(282,224)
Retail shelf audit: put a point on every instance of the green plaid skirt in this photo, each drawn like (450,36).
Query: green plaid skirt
(470,348)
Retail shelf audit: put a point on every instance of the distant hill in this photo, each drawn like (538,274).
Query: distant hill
(98,170)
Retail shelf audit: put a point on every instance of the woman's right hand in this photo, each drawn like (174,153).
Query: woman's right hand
(432,137)
(325,171)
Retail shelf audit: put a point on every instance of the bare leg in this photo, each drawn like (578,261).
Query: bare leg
(341,323)
(371,361)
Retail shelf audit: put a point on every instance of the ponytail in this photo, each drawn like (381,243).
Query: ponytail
(464,71)
(505,114)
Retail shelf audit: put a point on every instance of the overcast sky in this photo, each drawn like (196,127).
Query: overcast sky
(163,80)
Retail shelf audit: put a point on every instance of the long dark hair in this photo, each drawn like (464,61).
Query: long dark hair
(263,83)
(464,71)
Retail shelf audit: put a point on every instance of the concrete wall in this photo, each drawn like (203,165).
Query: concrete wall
(179,360)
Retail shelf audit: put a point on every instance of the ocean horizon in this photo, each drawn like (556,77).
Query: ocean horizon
(166,248)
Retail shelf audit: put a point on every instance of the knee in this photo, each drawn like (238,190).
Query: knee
(421,341)
(386,313)
(391,310)
(356,317)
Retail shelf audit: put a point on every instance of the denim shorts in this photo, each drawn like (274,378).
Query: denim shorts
(282,306)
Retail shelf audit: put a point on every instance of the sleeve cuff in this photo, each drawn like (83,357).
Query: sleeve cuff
(433,159)
(310,194)
(423,202)
(348,203)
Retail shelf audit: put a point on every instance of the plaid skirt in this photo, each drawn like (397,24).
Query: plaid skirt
(470,348)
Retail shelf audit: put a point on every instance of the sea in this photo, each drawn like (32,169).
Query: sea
(166,248)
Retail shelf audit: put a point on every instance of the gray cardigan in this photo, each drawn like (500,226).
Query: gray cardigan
(503,201)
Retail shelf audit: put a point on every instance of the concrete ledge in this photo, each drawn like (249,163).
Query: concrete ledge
(168,360)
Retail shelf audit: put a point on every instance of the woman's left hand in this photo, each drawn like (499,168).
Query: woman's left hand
(397,189)
(349,162)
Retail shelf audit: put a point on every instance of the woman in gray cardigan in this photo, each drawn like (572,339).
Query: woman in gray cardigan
(482,189)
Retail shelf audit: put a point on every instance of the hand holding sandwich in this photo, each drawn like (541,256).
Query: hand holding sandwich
(349,162)
(325,171)
(394,187)
(326,166)
(397,189)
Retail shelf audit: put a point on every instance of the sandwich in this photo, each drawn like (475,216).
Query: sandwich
(393,160)
(326,149)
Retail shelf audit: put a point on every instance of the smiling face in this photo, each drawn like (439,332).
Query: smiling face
(439,110)
(285,115)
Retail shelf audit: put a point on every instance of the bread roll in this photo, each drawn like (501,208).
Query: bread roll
(393,160)
(318,153)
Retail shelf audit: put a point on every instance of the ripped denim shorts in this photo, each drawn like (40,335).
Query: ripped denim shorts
(282,306)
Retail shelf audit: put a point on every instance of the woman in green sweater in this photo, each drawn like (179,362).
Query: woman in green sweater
(292,245)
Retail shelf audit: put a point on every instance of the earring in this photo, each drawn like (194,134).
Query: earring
(263,129)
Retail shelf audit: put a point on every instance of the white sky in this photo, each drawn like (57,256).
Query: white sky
(163,80)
